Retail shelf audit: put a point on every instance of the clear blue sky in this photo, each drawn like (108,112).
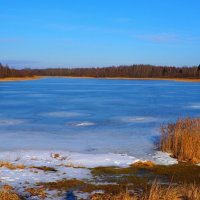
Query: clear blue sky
(85,33)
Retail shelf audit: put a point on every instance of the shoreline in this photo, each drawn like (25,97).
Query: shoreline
(11,79)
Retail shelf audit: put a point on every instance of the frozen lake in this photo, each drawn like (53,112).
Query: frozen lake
(92,115)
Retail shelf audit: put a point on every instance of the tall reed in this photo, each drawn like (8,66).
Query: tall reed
(182,139)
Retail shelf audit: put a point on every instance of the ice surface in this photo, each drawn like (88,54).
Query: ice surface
(195,106)
(62,114)
(139,119)
(101,117)
(86,123)
(10,122)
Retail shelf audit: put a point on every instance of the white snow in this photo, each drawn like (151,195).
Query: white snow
(164,158)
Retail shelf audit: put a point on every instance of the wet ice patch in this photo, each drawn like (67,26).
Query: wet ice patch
(139,119)
(63,114)
(10,122)
(195,106)
(82,124)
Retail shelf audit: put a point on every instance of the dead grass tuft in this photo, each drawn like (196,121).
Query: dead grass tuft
(11,166)
(58,156)
(39,192)
(146,164)
(182,140)
(7,193)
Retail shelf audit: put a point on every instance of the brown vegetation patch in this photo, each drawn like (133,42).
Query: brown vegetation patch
(11,165)
(156,192)
(182,140)
(101,171)
(62,184)
(37,191)
(178,173)
(146,164)
(7,193)
(77,185)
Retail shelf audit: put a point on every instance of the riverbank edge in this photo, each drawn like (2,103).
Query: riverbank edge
(10,79)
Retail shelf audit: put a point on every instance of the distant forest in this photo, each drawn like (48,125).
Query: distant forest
(133,71)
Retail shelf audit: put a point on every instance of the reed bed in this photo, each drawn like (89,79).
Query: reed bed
(182,140)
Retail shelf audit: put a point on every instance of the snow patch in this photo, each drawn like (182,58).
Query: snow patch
(164,158)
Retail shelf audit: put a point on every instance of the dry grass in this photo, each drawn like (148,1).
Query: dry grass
(156,192)
(182,139)
(146,164)
(38,192)
(9,79)
(7,193)
(11,165)
(141,173)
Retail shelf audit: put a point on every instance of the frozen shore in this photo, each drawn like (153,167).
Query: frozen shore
(24,169)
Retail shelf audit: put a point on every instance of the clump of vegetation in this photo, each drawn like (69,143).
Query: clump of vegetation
(38,192)
(178,173)
(8,193)
(182,140)
(62,184)
(141,164)
(11,165)
(143,173)
(156,192)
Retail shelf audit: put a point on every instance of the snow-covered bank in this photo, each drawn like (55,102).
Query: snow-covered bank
(56,158)
(65,165)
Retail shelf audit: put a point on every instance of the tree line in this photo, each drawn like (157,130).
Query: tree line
(6,71)
(132,71)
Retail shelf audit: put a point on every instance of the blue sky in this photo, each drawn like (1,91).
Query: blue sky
(85,33)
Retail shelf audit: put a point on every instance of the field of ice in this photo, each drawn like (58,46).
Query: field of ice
(92,116)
